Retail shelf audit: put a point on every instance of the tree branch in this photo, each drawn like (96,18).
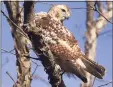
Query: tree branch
(14,24)
(90,44)
(100,7)
(107,16)
(28,11)
(106,84)
(109,5)
(10,77)
(52,69)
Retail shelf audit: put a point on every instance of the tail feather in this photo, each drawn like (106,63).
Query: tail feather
(81,65)
(92,67)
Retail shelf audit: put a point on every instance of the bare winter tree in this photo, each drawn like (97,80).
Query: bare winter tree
(94,27)
(18,20)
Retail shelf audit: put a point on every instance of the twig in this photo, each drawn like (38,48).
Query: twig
(35,70)
(10,76)
(93,81)
(35,63)
(105,84)
(29,56)
(95,9)
(100,6)
(108,31)
(25,56)
(35,67)
(7,60)
(15,24)
(8,51)
(11,50)
(104,16)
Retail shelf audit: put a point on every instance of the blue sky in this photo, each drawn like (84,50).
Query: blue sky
(77,25)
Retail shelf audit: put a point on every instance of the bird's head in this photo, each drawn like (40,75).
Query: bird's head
(59,12)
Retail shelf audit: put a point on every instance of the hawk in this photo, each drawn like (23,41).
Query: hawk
(62,43)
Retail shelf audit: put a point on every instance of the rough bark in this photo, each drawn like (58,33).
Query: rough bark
(93,30)
(23,63)
(28,11)
(90,45)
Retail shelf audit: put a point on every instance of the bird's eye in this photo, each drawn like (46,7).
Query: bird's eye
(63,10)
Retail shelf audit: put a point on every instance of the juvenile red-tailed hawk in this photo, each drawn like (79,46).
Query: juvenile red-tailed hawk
(62,43)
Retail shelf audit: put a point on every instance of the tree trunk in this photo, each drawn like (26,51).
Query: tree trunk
(23,63)
(90,45)
(93,30)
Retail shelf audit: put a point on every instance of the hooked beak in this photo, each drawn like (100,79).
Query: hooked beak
(67,18)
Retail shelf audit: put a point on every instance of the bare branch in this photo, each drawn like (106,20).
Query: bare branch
(52,69)
(100,6)
(35,70)
(12,9)
(11,50)
(7,60)
(28,11)
(8,52)
(35,63)
(103,33)
(94,81)
(90,12)
(10,77)
(107,15)
(14,24)
(106,84)
(24,55)
(15,54)
(109,5)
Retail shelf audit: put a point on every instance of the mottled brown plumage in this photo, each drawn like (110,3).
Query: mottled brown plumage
(63,44)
